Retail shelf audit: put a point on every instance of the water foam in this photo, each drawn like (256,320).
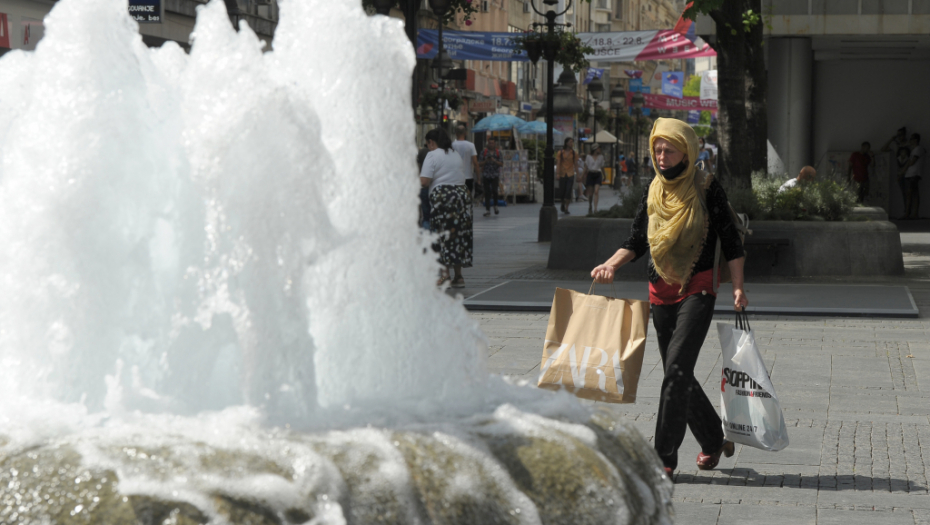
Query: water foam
(203,253)
(196,232)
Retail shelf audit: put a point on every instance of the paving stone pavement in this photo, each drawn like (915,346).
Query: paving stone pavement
(855,394)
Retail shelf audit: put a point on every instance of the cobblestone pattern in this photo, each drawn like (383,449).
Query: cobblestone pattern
(873,464)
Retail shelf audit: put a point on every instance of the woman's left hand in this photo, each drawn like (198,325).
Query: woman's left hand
(740,300)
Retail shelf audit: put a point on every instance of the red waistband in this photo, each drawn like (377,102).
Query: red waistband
(663,293)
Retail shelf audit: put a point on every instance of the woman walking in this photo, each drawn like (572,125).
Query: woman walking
(681,234)
(450,214)
(565,161)
(593,164)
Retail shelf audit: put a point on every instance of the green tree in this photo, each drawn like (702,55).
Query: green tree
(692,88)
(742,122)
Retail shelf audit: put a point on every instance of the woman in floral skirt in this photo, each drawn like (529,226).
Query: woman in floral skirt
(451,215)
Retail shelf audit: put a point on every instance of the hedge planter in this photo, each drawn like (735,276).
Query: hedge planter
(776,248)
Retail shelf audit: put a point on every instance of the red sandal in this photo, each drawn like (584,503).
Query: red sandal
(708,462)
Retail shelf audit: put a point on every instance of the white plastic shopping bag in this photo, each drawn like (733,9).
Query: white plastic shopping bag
(749,408)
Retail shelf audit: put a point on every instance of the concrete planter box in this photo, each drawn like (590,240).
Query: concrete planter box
(797,248)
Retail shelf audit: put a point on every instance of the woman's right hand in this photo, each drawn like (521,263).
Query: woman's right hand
(603,274)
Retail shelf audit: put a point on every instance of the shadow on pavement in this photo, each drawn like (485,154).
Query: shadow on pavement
(750,478)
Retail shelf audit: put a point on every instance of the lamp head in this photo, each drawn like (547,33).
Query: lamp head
(439,7)
(617,96)
(383,7)
(596,87)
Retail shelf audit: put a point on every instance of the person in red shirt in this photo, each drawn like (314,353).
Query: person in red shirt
(858,172)
(680,234)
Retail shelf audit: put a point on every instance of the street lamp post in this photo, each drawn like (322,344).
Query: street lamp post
(548,214)
(410,9)
(617,102)
(439,8)
(637,115)
(595,88)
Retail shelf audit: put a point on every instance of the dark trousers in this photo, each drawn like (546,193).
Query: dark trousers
(863,190)
(424,203)
(565,189)
(680,330)
(490,191)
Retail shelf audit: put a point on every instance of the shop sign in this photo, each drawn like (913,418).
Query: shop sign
(483,106)
(145,11)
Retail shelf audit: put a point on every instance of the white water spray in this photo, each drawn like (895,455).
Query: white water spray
(201,252)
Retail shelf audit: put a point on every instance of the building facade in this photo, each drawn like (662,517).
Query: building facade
(841,72)
(22,26)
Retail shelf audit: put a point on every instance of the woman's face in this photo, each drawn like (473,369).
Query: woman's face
(667,155)
(570,144)
(431,145)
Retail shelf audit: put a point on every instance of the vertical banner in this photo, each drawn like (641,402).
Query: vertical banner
(593,73)
(33,31)
(564,124)
(709,85)
(5,40)
(694,116)
(672,82)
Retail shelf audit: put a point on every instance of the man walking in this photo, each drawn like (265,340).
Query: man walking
(858,172)
(469,155)
(911,172)
(490,161)
(898,145)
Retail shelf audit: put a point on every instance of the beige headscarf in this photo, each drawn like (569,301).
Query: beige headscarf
(677,222)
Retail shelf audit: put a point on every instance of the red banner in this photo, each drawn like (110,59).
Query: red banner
(665,102)
(5,31)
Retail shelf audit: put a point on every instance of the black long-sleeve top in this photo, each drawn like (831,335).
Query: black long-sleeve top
(721,224)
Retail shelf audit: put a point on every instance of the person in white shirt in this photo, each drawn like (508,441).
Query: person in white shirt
(593,166)
(912,173)
(807,173)
(450,214)
(469,155)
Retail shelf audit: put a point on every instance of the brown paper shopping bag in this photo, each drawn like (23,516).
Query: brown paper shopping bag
(594,346)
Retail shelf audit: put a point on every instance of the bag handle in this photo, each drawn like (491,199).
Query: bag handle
(742,320)
(612,289)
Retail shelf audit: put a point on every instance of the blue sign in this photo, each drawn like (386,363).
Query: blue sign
(636,85)
(145,11)
(694,116)
(593,73)
(646,111)
(672,83)
(468,45)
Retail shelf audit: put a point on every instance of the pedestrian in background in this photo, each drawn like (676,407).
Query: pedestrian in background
(451,217)
(911,172)
(579,188)
(490,161)
(469,154)
(565,161)
(858,171)
(680,233)
(594,176)
(703,155)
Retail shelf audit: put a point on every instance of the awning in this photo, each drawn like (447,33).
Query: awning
(605,137)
